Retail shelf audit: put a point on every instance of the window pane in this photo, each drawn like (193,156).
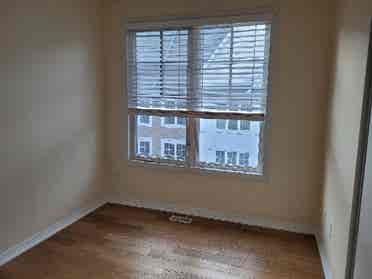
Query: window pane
(168,152)
(233,62)
(231,158)
(233,125)
(169,120)
(181,152)
(228,149)
(181,121)
(221,124)
(144,147)
(144,119)
(229,65)
(245,125)
(220,157)
(244,159)
(148,57)
(157,142)
(158,71)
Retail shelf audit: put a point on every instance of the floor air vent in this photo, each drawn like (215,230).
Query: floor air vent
(182,219)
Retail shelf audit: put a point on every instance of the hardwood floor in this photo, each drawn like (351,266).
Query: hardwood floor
(122,242)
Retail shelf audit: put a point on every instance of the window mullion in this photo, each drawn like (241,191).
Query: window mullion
(132,136)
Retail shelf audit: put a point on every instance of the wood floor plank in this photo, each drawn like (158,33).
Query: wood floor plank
(129,243)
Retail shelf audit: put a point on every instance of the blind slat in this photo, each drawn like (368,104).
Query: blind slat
(227,66)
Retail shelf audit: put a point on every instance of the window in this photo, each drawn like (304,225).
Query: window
(157,136)
(173,149)
(181,152)
(181,121)
(173,122)
(145,120)
(203,81)
(220,157)
(144,147)
(233,125)
(245,125)
(231,158)
(244,159)
(169,150)
(214,144)
(221,124)
(169,120)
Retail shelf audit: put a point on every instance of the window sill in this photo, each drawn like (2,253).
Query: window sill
(195,170)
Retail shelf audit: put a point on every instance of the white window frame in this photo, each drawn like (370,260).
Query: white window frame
(240,126)
(244,153)
(140,123)
(224,156)
(175,125)
(225,121)
(236,157)
(183,144)
(230,121)
(173,22)
(174,142)
(144,139)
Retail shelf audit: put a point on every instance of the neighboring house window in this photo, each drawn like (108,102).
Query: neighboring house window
(173,149)
(181,121)
(231,158)
(169,120)
(144,146)
(221,124)
(245,125)
(181,152)
(220,157)
(233,125)
(244,159)
(173,122)
(199,82)
(169,150)
(145,120)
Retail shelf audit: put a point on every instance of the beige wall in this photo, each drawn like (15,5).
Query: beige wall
(343,129)
(300,70)
(50,113)
(51,117)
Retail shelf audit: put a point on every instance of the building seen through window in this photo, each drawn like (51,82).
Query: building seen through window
(218,145)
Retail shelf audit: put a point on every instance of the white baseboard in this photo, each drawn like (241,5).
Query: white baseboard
(206,213)
(323,257)
(27,244)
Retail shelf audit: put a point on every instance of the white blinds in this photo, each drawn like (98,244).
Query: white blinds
(198,69)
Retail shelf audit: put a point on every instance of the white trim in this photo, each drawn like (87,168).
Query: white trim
(172,126)
(170,141)
(139,123)
(325,264)
(144,139)
(18,249)
(209,214)
(170,166)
